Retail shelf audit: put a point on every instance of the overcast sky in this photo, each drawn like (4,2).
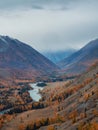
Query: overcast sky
(50,24)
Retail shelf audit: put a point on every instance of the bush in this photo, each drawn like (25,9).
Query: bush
(50,128)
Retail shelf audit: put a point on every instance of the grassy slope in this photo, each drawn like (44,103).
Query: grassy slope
(75,101)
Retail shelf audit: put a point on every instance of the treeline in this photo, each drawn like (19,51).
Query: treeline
(14,96)
(43,122)
(26,107)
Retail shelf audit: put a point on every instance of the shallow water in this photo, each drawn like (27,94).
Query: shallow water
(35,95)
(4,111)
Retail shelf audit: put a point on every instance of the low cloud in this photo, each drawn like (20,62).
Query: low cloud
(50,24)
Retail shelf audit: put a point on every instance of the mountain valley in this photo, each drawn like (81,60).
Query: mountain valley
(69,97)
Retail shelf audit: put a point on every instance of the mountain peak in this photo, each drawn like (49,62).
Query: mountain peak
(92,44)
(2,37)
(82,59)
(16,55)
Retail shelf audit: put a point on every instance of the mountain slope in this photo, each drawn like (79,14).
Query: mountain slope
(72,106)
(22,60)
(82,59)
(58,55)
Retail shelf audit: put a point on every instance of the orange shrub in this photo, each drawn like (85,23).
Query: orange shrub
(50,128)
(22,127)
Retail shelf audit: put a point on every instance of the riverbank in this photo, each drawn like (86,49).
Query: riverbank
(16,95)
(32,92)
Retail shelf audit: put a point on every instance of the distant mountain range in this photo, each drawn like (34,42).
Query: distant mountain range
(20,60)
(58,55)
(80,60)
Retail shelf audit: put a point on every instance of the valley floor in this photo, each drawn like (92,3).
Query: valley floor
(69,105)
